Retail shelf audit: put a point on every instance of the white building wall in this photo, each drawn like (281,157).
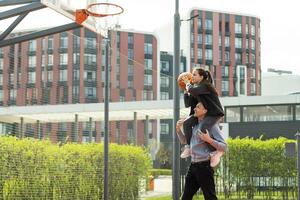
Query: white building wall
(279,84)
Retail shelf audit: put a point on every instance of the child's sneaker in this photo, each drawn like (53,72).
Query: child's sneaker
(215,158)
(186,152)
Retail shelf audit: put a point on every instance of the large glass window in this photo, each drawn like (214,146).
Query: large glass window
(90,92)
(252,30)
(199,53)
(130,54)
(1,63)
(199,39)
(164,80)
(63,59)
(90,59)
(50,59)
(165,66)
(31,61)
(90,76)
(268,113)
(225,71)
(208,24)
(164,129)
(1,95)
(238,28)
(208,39)
(164,95)
(64,42)
(32,45)
(148,79)
(253,44)
(208,54)
(297,112)
(238,42)
(31,77)
(63,75)
(148,48)
(1,79)
(148,64)
(233,114)
(90,43)
(227,41)
(130,70)
(225,86)
(227,56)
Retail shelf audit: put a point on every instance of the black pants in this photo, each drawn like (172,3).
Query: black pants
(191,121)
(200,175)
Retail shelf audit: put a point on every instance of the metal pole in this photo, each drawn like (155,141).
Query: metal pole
(76,128)
(146,134)
(135,128)
(176,65)
(90,130)
(106,117)
(298,162)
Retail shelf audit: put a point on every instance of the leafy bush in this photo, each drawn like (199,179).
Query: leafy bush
(32,169)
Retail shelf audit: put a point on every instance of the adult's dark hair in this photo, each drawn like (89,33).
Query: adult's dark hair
(207,79)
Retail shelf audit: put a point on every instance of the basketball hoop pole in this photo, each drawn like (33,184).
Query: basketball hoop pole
(106,114)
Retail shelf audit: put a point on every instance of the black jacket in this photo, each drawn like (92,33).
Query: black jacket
(190,101)
(209,99)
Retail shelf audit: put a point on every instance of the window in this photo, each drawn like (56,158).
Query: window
(247,58)
(247,43)
(148,48)
(227,41)
(225,71)
(64,42)
(63,59)
(50,76)
(148,64)
(220,40)
(199,39)
(253,59)
(208,54)
(89,59)
(252,30)
(1,79)
(63,75)
(31,61)
(165,66)
(247,28)
(75,91)
(208,24)
(147,79)
(130,54)
(253,88)
(238,28)
(90,92)
(164,95)
(31,77)
(76,75)
(11,78)
(164,81)
(253,44)
(192,53)
(238,42)
(90,43)
(233,114)
(199,20)
(43,60)
(164,129)
(12,94)
(297,111)
(1,63)
(50,59)
(90,76)
(76,58)
(227,56)
(130,39)
(238,58)
(192,38)
(268,113)
(199,53)
(208,39)
(32,45)
(50,43)
(1,95)
(225,86)
(130,70)
(130,84)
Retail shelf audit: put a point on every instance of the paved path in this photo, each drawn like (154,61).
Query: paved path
(162,187)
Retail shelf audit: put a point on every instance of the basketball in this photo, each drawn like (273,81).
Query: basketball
(180,81)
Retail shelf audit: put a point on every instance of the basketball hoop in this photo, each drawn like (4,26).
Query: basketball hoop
(97,11)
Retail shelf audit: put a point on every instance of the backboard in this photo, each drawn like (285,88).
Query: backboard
(68,8)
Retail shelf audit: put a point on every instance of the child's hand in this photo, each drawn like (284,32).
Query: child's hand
(205,136)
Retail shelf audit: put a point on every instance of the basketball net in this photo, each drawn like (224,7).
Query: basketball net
(104,16)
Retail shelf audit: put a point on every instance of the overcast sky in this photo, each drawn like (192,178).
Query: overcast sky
(280,25)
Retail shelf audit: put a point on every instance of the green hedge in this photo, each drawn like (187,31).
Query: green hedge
(160,172)
(32,169)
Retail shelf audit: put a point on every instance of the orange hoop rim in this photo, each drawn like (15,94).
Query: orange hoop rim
(103,15)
